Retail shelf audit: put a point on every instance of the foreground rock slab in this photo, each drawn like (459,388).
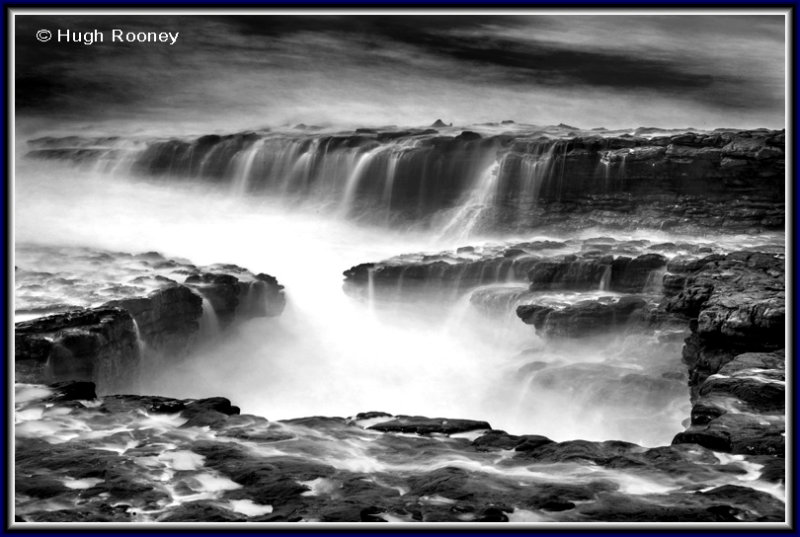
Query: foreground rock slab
(138,458)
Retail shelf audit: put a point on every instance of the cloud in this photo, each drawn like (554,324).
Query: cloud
(286,68)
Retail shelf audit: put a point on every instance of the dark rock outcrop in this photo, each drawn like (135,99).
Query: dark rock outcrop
(616,266)
(735,353)
(592,271)
(734,305)
(99,345)
(583,319)
(496,440)
(741,408)
(570,272)
(106,344)
(203,462)
(739,305)
(423,425)
(168,319)
(72,391)
(450,271)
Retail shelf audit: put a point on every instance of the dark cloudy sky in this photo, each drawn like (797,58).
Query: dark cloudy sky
(248,70)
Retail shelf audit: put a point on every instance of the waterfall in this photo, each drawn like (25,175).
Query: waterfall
(558,166)
(354,177)
(106,162)
(120,370)
(468,216)
(409,173)
(121,163)
(146,360)
(605,280)
(209,322)
(621,171)
(371,289)
(655,282)
(249,303)
(604,170)
(142,346)
(338,171)
(207,161)
(244,167)
(299,170)
(391,171)
(382,177)
(537,168)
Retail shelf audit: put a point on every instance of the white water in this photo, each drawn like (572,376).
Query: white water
(355,177)
(324,355)
(328,353)
(244,167)
(466,219)
(209,323)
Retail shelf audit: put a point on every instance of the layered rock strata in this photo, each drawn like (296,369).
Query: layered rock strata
(541,176)
(600,263)
(736,351)
(107,343)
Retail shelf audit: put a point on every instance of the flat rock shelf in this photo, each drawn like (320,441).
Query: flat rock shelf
(139,458)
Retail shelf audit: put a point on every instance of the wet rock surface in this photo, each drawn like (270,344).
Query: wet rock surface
(735,353)
(423,425)
(582,319)
(138,458)
(98,344)
(600,263)
(124,308)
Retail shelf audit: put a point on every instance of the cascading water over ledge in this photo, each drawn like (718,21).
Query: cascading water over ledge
(471,182)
